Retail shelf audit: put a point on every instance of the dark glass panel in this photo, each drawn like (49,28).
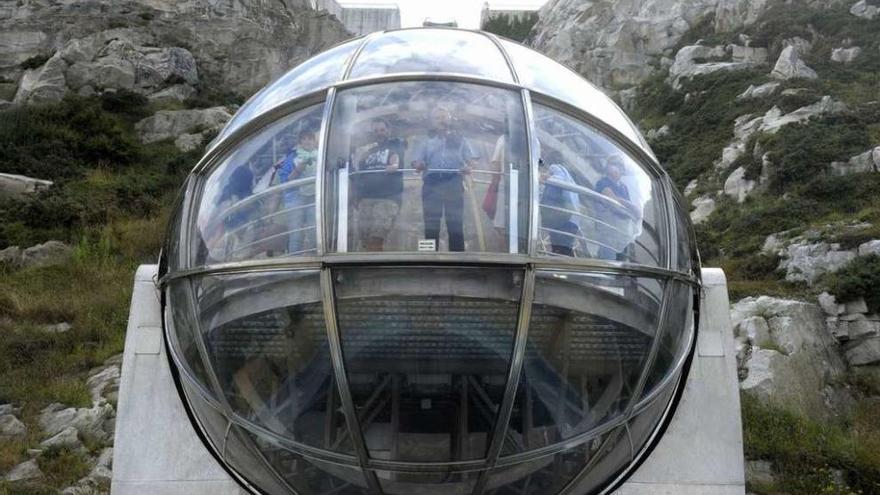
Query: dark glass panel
(306,475)
(211,419)
(614,455)
(548,475)
(675,335)
(427,353)
(589,338)
(267,341)
(182,325)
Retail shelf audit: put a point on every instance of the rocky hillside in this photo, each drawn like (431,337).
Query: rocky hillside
(162,48)
(767,114)
(104,107)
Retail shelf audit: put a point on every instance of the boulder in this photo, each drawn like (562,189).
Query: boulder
(864,352)
(860,326)
(189,142)
(103,383)
(703,208)
(870,248)
(655,134)
(172,94)
(864,10)
(859,164)
(754,330)
(48,253)
(170,124)
(20,45)
(689,61)
(790,66)
(66,438)
(737,186)
(167,66)
(12,185)
(691,187)
(828,303)
(26,471)
(760,473)
(10,427)
(845,55)
(799,367)
(103,73)
(806,262)
(95,422)
(774,119)
(761,91)
(44,84)
(62,327)
(803,47)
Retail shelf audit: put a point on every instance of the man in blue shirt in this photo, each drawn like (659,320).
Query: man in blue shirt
(444,160)
(617,217)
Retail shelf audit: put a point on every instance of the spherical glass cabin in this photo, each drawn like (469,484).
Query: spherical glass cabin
(429,261)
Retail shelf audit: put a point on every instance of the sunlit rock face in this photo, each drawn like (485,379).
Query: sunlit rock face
(148,45)
(429,261)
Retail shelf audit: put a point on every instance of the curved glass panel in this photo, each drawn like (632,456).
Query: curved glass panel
(173,254)
(684,257)
(259,202)
(307,476)
(550,474)
(432,51)
(646,421)
(547,76)
(318,72)
(589,339)
(427,166)
(434,483)
(427,363)
(612,457)
(211,420)
(266,338)
(595,201)
(677,329)
(181,324)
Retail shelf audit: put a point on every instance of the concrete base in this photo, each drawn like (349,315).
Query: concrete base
(158,452)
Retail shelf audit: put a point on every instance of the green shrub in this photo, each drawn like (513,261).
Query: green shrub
(515,28)
(860,278)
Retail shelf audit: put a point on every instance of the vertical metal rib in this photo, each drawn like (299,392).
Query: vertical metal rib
(323,139)
(504,54)
(533,151)
(519,348)
(357,53)
(351,419)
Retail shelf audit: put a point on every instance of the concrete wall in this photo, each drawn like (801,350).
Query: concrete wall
(362,19)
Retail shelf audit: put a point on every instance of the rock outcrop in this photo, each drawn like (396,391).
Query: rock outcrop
(787,356)
(48,47)
(12,185)
(868,161)
(188,128)
(790,66)
(845,55)
(807,257)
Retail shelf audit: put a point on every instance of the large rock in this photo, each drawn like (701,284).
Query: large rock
(45,254)
(864,352)
(238,46)
(697,60)
(761,91)
(845,55)
(796,364)
(774,119)
(737,186)
(10,427)
(26,471)
(12,185)
(67,438)
(790,66)
(864,10)
(806,262)
(45,84)
(864,162)
(869,248)
(703,208)
(170,124)
(172,94)
(96,422)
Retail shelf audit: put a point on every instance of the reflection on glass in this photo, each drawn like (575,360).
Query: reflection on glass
(182,325)
(596,202)
(212,421)
(646,421)
(432,50)
(684,261)
(427,353)
(677,329)
(173,255)
(305,475)
(606,463)
(440,482)
(549,77)
(589,337)
(549,474)
(267,342)
(260,201)
(318,72)
(428,166)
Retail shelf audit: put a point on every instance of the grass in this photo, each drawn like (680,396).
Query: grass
(806,453)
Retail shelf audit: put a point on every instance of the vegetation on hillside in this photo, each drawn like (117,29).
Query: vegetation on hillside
(513,27)
(110,201)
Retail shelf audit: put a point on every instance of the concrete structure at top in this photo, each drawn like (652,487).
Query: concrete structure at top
(519,12)
(362,18)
